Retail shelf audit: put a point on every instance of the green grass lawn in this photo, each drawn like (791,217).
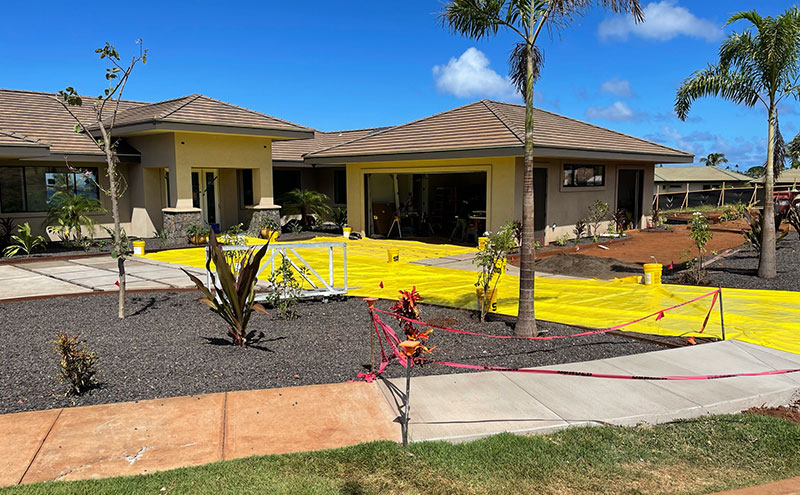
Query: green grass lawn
(691,456)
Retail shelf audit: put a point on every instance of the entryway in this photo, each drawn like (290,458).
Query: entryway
(205,184)
(630,185)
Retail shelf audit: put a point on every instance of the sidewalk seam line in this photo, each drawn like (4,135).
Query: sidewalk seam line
(224,424)
(41,444)
(533,397)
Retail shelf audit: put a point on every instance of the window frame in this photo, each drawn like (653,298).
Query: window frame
(575,167)
(72,183)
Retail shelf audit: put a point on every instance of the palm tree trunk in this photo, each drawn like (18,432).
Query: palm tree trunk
(526,318)
(767,263)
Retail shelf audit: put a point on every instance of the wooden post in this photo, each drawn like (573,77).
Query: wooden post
(685,203)
(658,193)
(722,195)
(755,193)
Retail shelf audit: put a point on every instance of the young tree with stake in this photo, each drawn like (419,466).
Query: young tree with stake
(106,108)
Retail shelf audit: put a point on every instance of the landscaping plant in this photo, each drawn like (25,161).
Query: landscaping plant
(490,260)
(406,306)
(69,213)
(236,235)
(598,212)
(793,217)
(525,18)
(24,241)
(562,239)
(103,117)
(162,236)
(700,232)
(197,234)
(7,225)
(339,217)
(269,225)
(579,230)
(306,202)
(754,234)
(732,212)
(78,364)
(620,218)
(234,298)
(286,288)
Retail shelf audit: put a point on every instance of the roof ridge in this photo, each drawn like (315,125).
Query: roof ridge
(189,99)
(48,93)
(261,114)
(503,119)
(396,127)
(355,130)
(597,127)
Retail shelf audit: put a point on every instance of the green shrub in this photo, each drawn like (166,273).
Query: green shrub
(491,260)
(234,300)
(339,217)
(597,213)
(579,230)
(732,212)
(24,242)
(700,232)
(70,212)
(562,239)
(286,288)
(78,364)
(754,233)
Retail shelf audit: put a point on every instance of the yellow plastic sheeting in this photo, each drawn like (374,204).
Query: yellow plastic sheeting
(768,318)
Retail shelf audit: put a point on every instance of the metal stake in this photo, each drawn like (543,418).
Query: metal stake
(409,362)
(721,314)
(371,303)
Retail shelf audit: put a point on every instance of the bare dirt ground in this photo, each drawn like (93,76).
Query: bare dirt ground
(581,265)
(789,413)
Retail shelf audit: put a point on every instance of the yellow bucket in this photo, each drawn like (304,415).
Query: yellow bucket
(346,232)
(492,299)
(138,248)
(394,255)
(482,242)
(652,274)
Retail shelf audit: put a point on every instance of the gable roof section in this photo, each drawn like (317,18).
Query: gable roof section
(293,151)
(199,110)
(490,128)
(698,174)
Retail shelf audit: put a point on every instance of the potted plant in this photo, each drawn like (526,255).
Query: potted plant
(269,227)
(197,234)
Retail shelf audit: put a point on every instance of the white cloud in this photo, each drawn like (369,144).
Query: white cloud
(470,75)
(617,111)
(619,87)
(663,21)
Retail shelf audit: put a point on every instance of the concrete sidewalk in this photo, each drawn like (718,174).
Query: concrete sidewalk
(467,406)
(88,274)
(153,435)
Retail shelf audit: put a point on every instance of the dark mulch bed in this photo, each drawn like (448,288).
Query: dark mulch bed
(740,270)
(581,265)
(171,345)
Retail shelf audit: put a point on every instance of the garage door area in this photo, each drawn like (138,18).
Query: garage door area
(431,205)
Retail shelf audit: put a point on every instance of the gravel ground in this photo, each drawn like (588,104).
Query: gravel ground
(171,345)
(740,270)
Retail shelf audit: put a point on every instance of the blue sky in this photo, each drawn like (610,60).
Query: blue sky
(344,65)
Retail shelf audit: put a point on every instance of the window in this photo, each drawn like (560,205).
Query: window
(339,187)
(584,175)
(29,189)
(285,181)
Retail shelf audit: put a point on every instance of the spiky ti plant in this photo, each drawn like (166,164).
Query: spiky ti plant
(235,297)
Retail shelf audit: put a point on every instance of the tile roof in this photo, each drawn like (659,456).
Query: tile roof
(698,174)
(11,138)
(41,118)
(199,109)
(293,151)
(487,124)
(789,176)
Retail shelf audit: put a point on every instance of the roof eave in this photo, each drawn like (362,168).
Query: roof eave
(23,150)
(81,157)
(167,125)
(539,151)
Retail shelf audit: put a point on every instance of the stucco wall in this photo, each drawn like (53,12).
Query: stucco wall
(504,188)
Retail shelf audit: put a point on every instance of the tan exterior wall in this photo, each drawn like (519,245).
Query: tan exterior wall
(504,188)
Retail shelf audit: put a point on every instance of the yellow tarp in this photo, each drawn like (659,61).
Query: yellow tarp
(768,318)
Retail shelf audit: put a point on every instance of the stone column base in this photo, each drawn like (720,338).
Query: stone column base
(177,221)
(259,213)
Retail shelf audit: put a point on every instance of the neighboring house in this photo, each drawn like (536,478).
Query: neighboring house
(186,161)
(425,170)
(789,177)
(677,179)
(290,171)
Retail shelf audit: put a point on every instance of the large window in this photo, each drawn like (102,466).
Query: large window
(29,189)
(339,187)
(584,175)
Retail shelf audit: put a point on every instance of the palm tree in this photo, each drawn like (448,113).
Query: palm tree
(756,65)
(714,159)
(479,19)
(307,201)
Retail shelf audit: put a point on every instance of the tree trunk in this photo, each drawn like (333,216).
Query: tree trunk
(526,318)
(113,187)
(767,263)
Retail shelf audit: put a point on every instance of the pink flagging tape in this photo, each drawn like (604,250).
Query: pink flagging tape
(589,374)
(658,314)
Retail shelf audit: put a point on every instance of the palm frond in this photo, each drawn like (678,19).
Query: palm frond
(737,87)
(517,66)
(747,15)
(475,18)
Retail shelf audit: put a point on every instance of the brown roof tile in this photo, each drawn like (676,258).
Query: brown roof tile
(488,124)
(293,151)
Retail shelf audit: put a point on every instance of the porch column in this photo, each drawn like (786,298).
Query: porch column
(263,195)
(180,214)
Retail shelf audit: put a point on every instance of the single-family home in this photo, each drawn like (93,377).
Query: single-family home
(699,178)
(186,161)
(468,162)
